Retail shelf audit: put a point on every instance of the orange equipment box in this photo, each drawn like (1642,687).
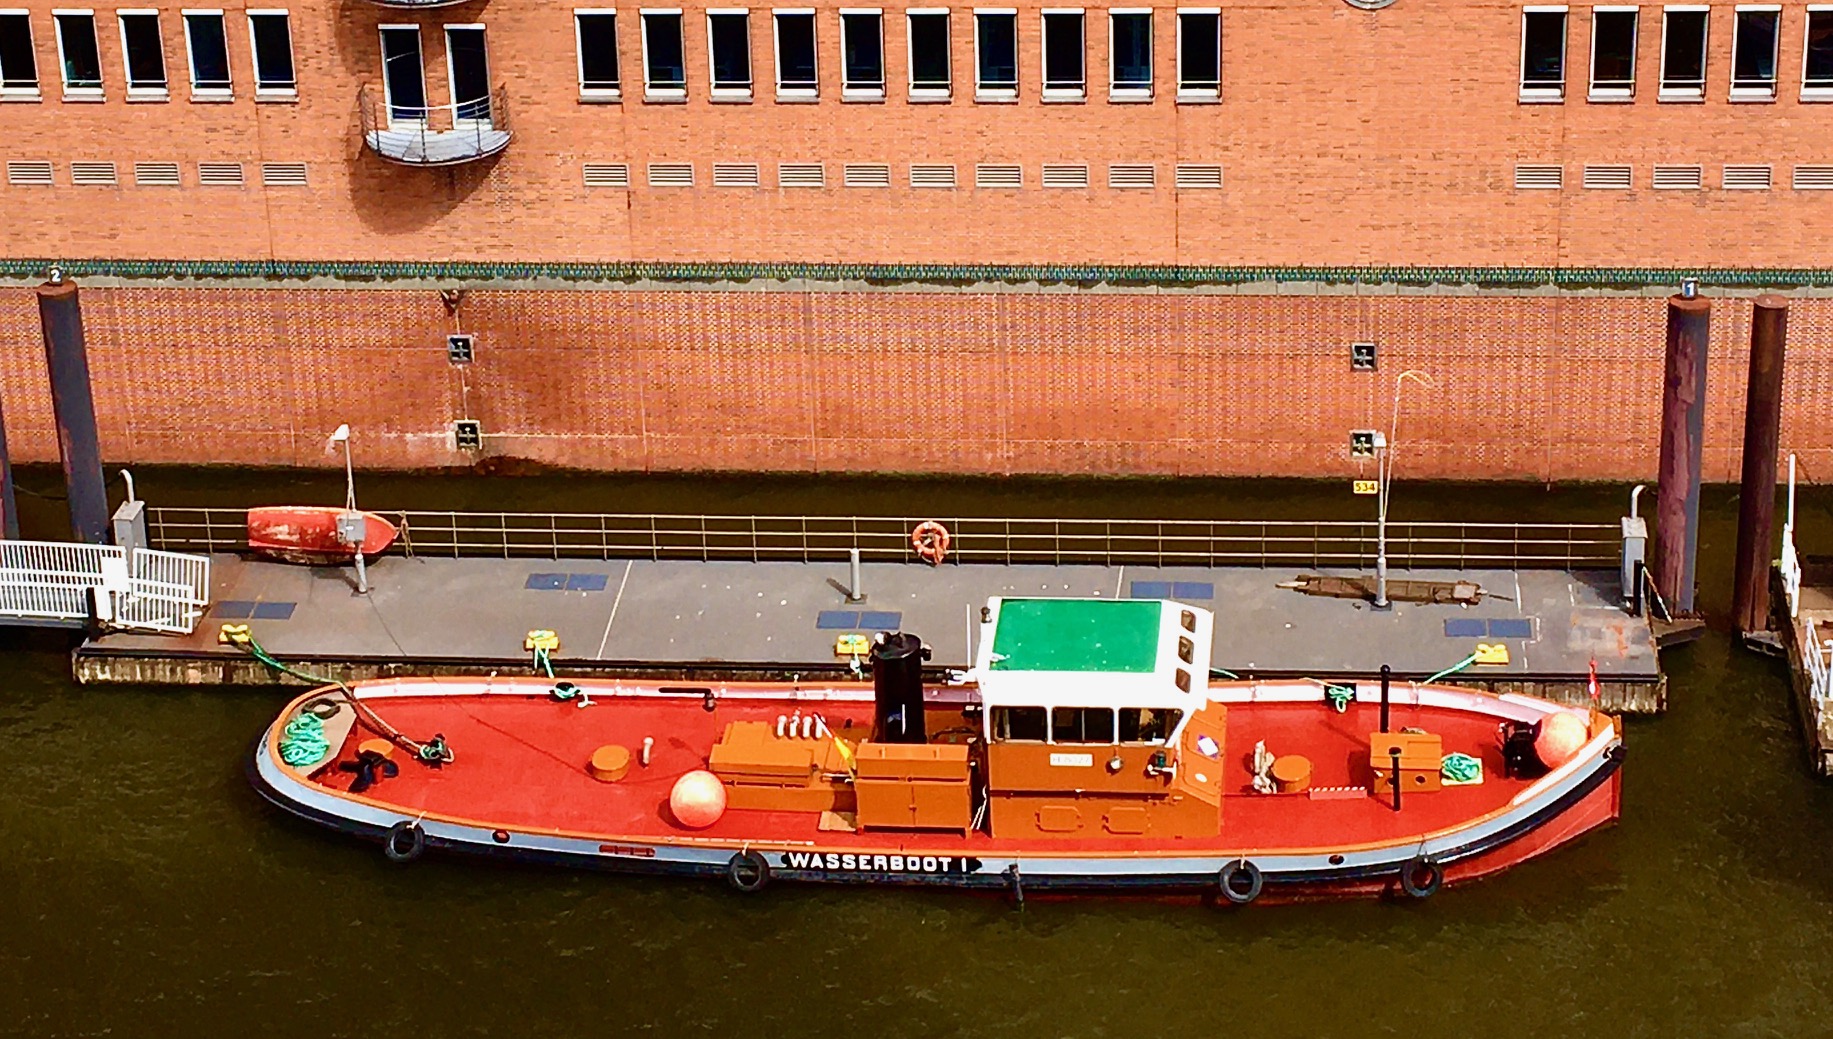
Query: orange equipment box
(764,771)
(1421,754)
(905,786)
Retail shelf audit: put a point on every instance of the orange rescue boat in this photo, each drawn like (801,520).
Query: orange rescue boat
(308,534)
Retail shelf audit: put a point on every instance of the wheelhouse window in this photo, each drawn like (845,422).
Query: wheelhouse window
(18,62)
(728,33)
(929,64)
(1130,55)
(207,46)
(996,55)
(596,34)
(862,54)
(1753,53)
(271,36)
(1199,54)
(1019,724)
(1082,725)
(1613,53)
(143,53)
(1817,64)
(1064,75)
(1148,724)
(1543,54)
(77,53)
(795,55)
(664,67)
(1683,53)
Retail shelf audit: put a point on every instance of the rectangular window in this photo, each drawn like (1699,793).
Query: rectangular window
(795,55)
(1199,54)
(1817,63)
(207,45)
(862,54)
(1753,53)
(1082,725)
(1543,54)
(272,38)
(1130,55)
(18,63)
(1064,76)
(403,74)
(664,68)
(728,34)
(77,53)
(996,55)
(143,53)
(1148,725)
(1018,723)
(1613,53)
(596,34)
(929,65)
(1683,53)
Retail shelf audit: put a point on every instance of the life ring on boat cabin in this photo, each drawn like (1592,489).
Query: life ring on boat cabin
(930,539)
(1240,881)
(1421,877)
(397,851)
(747,871)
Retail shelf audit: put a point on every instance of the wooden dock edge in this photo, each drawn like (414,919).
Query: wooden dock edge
(1816,728)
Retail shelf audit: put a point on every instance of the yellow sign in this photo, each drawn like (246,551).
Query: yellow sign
(1365,486)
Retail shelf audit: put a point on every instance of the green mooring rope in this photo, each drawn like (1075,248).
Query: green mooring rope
(432,752)
(304,741)
(1461,768)
(1453,669)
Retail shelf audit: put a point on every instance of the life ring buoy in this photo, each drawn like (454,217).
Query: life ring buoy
(1230,879)
(930,539)
(1421,877)
(393,847)
(747,871)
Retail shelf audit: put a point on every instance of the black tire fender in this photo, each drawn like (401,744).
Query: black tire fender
(1231,877)
(1421,877)
(747,872)
(412,834)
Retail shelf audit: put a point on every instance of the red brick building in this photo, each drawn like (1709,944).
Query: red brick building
(944,238)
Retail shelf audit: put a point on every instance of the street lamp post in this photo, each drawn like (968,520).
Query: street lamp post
(352,526)
(1384,475)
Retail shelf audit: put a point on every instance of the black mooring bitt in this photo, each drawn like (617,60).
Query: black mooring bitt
(1387,674)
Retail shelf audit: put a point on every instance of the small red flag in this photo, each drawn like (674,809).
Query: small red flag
(1593,684)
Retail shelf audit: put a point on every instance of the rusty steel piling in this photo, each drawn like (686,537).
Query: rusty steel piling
(1762,438)
(73,404)
(1683,419)
(9,509)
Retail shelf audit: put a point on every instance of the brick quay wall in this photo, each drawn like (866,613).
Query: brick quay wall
(1530,387)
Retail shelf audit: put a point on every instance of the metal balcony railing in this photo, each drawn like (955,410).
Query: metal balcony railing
(440,135)
(417,3)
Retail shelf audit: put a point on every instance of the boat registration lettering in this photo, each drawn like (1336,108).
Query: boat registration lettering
(879,863)
(1073,760)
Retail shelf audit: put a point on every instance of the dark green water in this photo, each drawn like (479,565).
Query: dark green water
(147,891)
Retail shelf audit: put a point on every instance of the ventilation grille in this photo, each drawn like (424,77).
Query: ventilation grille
(1747,178)
(868,175)
(671,174)
(1199,177)
(1065,176)
(219,174)
(283,174)
(156,174)
(994,176)
(1678,178)
(1540,178)
(801,175)
(1132,175)
(34,174)
(735,175)
(607,175)
(932,176)
(1813,178)
(1617,177)
(97,174)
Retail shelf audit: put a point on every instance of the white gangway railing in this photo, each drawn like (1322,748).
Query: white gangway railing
(147,591)
(1816,652)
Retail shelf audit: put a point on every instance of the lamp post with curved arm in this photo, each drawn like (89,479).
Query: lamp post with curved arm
(1384,473)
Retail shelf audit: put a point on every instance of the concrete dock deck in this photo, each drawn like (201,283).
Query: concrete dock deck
(722,619)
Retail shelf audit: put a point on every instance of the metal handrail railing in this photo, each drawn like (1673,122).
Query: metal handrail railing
(1112,542)
(434,135)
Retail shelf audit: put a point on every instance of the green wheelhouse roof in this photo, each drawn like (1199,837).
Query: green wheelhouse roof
(1077,635)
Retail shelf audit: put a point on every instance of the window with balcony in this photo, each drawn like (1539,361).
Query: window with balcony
(1065,78)
(1543,54)
(143,53)
(1199,54)
(1817,63)
(929,64)
(403,75)
(728,34)
(996,54)
(1683,53)
(1753,53)
(1130,55)
(862,54)
(78,55)
(18,62)
(271,36)
(796,78)
(1613,53)
(207,47)
(595,32)
(664,65)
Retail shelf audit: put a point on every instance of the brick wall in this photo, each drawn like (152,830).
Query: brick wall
(1530,387)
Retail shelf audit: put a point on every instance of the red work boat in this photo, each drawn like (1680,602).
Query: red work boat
(308,534)
(1085,752)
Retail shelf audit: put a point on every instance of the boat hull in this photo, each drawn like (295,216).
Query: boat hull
(307,534)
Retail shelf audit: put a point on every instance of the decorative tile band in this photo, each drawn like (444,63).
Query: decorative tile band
(933,274)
